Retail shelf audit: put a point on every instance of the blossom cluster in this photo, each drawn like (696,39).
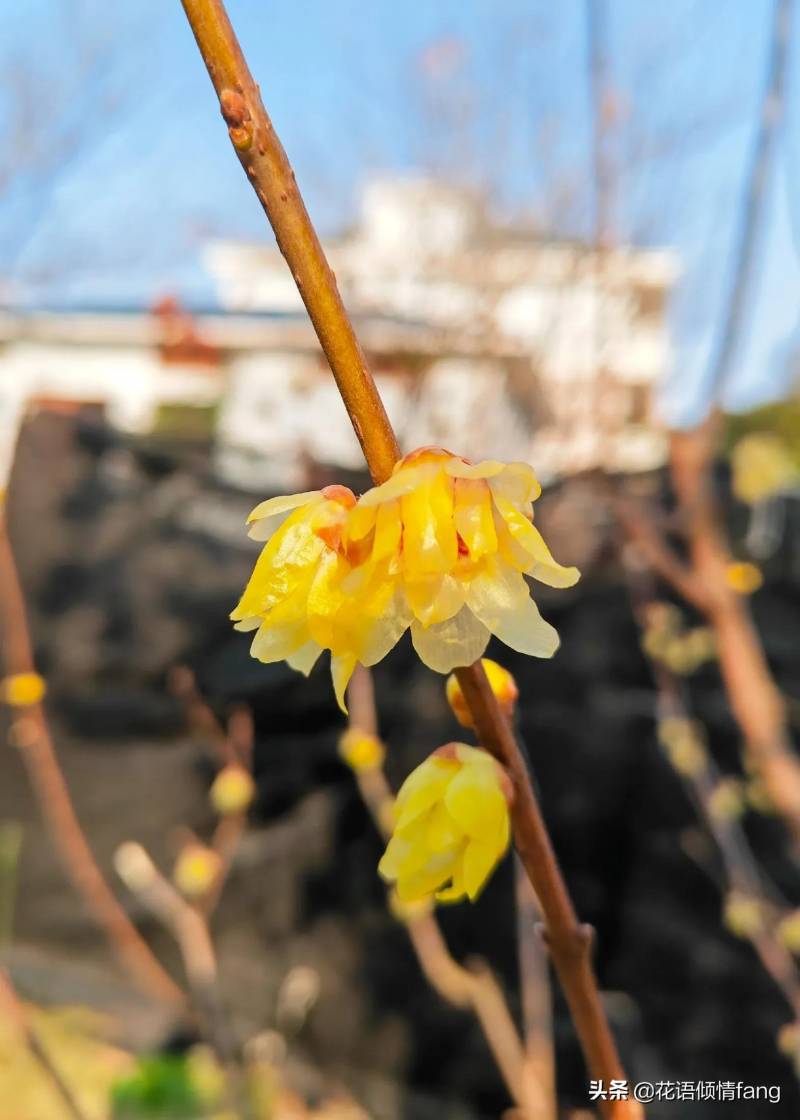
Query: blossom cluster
(442,549)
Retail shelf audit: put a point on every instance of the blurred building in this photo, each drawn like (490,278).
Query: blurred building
(488,339)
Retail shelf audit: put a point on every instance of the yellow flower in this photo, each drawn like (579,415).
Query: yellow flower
(452,826)
(762,467)
(442,547)
(501,683)
(196,870)
(743,577)
(361,751)
(232,790)
(20,690)
(299,600)
(461,538)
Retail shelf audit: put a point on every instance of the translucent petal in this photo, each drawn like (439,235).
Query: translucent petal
(517,483)
(489,468)
(429,534)
(342,666)
(305,658)
(479,862)
(284,560)
(447,645)
(541,565)
(443,833)
(435,598)
(268,515)
(412,887)
(251,623)
(475,802)
(388,530)
(500,598)
(403,482)
(474,519)
(423,787)
(275,642)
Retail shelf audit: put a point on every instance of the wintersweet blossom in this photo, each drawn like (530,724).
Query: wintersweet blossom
(310,591)
(461,540)
(442,548)
(451,826)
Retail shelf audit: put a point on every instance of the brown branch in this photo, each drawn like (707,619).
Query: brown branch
(15,1012)
(271,176)
(756,701)
(55,803)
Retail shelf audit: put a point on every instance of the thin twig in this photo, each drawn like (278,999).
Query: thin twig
(271,176)
(741,868)
(14,1012)
(190,930)
(55,804)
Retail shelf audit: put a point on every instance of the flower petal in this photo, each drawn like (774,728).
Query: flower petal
(268,515)
(501,599)
(473,517)
(540,564)
(475,802)
(305,658)
(435,598)
(342,666)
(445,646)
(403,482)
(479,862)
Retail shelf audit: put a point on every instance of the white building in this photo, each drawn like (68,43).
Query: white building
(486,340)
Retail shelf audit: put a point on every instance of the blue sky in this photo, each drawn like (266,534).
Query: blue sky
(493,92)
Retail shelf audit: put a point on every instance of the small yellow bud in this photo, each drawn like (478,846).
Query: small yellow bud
(788,931)
(743,914)
(22,689)
(788,1040)
(743,577)
(196,870)
(682,741)
(726,801)
(361,751)
(232,790)
(501,683)
(408,911)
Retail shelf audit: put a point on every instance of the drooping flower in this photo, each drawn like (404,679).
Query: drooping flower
(451,827)
(462,540)
(442,548)
(309,590)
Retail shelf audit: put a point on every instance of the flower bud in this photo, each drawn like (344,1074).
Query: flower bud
(232,790)
(501,683)
(743,577)
(743,914)
(20,690)
(361,751)
(196,870)
(726,801)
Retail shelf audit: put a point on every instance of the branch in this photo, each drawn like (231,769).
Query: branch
(268,169)
(55,804)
